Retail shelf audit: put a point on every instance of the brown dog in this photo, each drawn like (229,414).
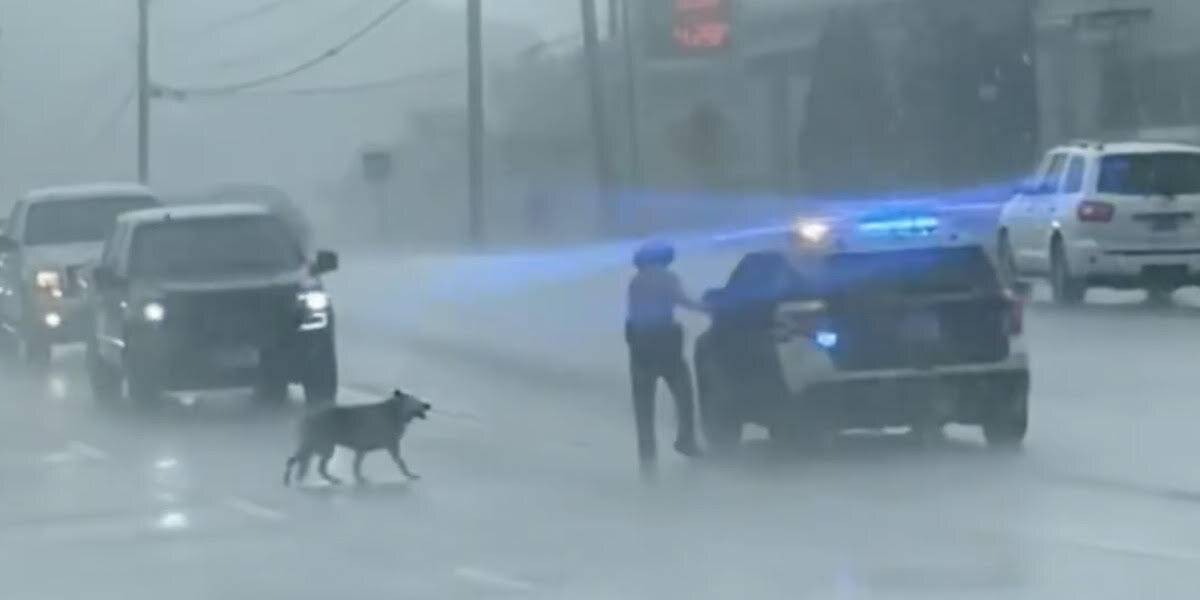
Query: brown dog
(362,429)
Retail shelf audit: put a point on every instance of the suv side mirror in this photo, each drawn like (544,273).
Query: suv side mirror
(105,278)
(326,262)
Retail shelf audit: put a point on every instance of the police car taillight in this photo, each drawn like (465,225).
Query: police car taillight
(1016,313)
(803,320)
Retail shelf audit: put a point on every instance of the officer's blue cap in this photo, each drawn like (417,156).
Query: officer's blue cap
(655,253)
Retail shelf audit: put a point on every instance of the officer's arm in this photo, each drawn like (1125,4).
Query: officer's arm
(682,299)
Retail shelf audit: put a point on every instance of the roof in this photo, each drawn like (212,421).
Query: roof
(1129,147)
(87,190)
(194,211)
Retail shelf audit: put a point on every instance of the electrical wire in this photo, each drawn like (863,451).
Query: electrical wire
(308,33)
(299,68)
(365,86)
(402,80)
(114,118)
(248,15)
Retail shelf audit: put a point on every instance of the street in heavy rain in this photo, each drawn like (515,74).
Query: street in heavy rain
(529,489)
(454,191)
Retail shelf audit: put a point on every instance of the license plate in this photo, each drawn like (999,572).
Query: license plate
(921,327)
(1164,225)
(235,358)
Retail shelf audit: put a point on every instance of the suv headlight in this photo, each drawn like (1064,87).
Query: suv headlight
(316,309)
(154,312)
(315,300)
(47,279)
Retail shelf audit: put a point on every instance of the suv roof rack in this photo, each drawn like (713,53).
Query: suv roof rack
(1087,143)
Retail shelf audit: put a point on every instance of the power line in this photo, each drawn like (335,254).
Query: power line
(114,118)
(365,86)
(248,15)
(308,32)
(299,68)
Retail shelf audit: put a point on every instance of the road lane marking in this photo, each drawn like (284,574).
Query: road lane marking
(87,450)
(492,579)
(254,509)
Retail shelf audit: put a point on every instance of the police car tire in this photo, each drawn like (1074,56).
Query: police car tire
(722,429)
(1006,428)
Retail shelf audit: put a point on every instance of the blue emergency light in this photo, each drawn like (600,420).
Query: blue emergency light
(826,339)
(902,226)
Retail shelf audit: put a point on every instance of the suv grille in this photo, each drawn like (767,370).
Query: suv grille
(260,316)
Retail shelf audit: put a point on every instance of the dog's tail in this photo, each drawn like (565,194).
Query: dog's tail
(287,469)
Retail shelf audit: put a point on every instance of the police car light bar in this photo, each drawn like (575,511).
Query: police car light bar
(918,225)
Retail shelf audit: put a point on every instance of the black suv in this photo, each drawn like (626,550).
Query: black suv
(210,297)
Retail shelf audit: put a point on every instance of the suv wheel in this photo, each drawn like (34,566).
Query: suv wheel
(1007,421)
(144,390)
(722,428)
(1067,290)
(321,375)
(1160,295)
(105,380)
(33,349)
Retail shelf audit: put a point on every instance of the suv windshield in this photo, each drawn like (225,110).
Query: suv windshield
(212,246)
(82,220)
(912,272)
(1167,173)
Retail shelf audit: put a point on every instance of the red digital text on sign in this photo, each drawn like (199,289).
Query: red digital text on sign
(702,24)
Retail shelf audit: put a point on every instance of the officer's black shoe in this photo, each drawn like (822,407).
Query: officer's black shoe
(688,448)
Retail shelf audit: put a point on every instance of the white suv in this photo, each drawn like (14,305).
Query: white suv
(1124,215)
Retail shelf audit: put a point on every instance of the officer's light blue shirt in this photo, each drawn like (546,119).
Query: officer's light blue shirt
(652,297)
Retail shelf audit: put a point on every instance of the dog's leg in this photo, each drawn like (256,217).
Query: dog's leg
(303,458)
(359,455)
(394,452)
(323,466)
(287,470)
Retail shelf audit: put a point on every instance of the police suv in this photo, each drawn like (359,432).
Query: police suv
(864,323)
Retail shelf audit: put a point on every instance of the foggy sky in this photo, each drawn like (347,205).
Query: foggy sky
(67,65)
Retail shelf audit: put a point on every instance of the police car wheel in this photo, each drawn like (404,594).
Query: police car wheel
(1006,425)
(722,428)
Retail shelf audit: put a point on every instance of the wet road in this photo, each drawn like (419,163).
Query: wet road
(529,490)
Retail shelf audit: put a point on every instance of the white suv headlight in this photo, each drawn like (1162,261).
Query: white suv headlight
(47,279)
(315,300)
(154,312)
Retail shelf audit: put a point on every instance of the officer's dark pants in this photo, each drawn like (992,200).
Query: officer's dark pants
(656,352)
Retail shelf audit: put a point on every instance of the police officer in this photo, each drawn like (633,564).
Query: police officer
(655,342)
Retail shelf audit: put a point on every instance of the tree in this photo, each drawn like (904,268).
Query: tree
(849,116)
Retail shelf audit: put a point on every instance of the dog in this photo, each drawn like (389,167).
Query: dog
(362,429)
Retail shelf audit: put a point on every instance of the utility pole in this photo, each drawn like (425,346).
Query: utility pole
(143,93)
(604,172)
(631,96)
(475,118)
(614,18)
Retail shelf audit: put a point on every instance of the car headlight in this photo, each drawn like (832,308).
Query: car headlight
(315,300)
(154,312)
(48,280)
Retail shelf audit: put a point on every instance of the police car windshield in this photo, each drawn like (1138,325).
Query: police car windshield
(215,246)
(82,220)
(1150,174)
(911,272)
